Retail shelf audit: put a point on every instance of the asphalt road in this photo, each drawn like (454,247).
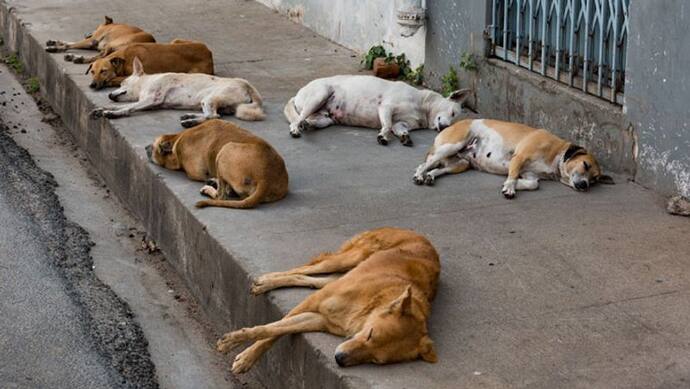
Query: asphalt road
(60,327)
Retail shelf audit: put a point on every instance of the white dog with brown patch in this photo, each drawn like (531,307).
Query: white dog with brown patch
(214,95)
(523,153)
(367,101)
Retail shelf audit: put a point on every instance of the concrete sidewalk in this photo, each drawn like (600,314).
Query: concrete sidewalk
(553,289)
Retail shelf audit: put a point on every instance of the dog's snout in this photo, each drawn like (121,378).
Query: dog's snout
(93,85)
(149,151)
(582,185)
(341,359)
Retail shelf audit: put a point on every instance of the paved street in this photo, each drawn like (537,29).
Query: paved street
(555,289)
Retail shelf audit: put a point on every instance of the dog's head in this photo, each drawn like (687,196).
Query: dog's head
(392,334)
(580,170)
(161,152)
(446,111)
(104,70)
(130,87)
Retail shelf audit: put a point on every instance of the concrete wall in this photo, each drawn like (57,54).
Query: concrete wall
(355,24)
(657,92)
(647,139)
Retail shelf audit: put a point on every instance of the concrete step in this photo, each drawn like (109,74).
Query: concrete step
(553,289)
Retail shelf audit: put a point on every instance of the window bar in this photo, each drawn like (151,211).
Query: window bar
(570,10)
(614,49)
(532,18)
(602,35)
(544,45)
(506,47)
(559,51)
(588,35)
(494,26)
(518,31)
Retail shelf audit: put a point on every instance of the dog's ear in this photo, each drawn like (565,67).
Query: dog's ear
(426,350)
(89,68)
(108,20)
(165,147)
(572,151)
(605,179)
(137,67)
(460,95)
(403,304)
(117,62)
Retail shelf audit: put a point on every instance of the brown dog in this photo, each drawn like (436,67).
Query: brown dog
(107,38)
(382,303)
(523,153)
(236,163)
(178,56)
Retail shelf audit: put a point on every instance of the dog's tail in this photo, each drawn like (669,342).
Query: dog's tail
(290,111)
(250,201)
(251,111)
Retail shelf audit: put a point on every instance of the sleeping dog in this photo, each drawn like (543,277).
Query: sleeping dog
(214,95)
(241,169)
(523,153)
(367,101)
(381,303)
(179,56)
(107,38)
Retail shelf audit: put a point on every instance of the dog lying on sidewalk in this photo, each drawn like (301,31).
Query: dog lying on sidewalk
(382,303)
(107,38)
(367,101)
(523,153)
(179,56)
(234,162)
(214,95)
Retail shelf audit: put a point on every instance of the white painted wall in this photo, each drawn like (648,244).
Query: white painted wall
(356,24)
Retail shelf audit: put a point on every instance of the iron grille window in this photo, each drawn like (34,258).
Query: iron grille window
(581,43)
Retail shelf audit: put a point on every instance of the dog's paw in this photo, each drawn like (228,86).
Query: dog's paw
(295,134)
(508,192)
(97,113)
(188,116)
(418,180)
(69,57)
(406,140)
(78,59)
(109,114)
(189,123)
(208,191)
(51,43)
(243,362)
(53,49)
(259,287)
(230,340)
(304,126)
(429,180)
(382,140)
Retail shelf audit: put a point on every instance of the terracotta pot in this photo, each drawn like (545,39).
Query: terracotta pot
(385,70)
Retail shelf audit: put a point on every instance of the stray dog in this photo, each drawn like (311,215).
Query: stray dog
(367,101)
(236,163)
(107,38)
(381,304)
(178,56)
(523,153)
(214,95)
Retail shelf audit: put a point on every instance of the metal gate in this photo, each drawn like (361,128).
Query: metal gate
(581,43)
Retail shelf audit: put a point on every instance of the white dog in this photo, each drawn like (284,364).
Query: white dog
(214,95)
(367,101)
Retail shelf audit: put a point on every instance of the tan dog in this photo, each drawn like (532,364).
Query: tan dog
(107,38)
(523,153)
(237,162)
(178,56)
(382,303)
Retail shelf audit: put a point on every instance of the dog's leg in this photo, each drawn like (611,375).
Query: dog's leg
(454,167)
(316,100)
(290,324)
(402,131)
(527,181)
(80,59)
(60,46)
(319,119)
(386,119)
(209,108)
(247,358)
(210,191)
(516,164)
(435,158)
(125,110)
(325,263)
(264,284)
